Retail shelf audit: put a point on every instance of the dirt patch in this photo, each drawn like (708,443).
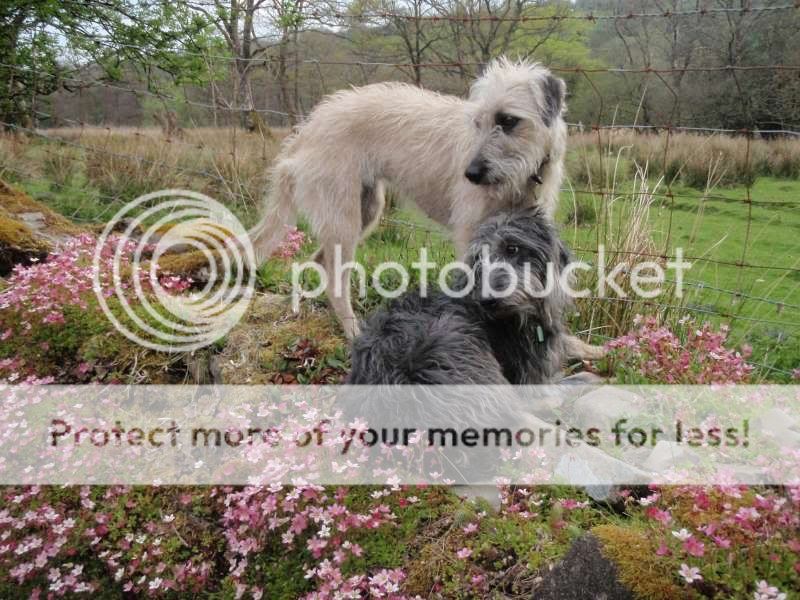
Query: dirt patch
(272,344)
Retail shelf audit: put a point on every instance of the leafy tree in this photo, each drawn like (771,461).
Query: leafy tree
(37,34)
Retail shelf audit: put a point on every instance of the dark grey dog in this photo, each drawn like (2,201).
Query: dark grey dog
(480,338)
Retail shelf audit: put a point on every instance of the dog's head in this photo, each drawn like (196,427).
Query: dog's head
(517,259)
(517,112)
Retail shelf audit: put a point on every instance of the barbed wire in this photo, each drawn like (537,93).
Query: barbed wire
(625,16)
(694,309)
(164,96)
(632,253)
(620,194)
(267,59)
(83,84)
(694,129)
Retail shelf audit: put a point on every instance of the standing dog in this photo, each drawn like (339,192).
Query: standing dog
(459,160)
(504,330)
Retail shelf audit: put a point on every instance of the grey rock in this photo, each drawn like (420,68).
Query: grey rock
(780,425)
(600,474)
(603,407)
(34,220)
(670,454)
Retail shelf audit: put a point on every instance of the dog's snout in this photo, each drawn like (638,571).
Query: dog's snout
(476,171)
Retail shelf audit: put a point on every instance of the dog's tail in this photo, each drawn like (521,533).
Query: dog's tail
(280,214)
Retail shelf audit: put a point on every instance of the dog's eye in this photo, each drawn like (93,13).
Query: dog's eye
(506,122)
(512,250)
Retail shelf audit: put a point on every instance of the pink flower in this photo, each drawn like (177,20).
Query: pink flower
(478,580)
(292,243)
(765,591)
(690,574)
(663,550)
(470,528)
(662,516)
(694,547)
(572,504)
(721,542)
(464,553)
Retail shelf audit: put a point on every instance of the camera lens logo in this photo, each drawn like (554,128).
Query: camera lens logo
(175,221)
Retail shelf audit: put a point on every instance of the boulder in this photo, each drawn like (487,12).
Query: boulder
(604,406)
(667,455)
(19,245)
(780,425)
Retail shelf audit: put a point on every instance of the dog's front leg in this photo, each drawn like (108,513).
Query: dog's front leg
(577,348)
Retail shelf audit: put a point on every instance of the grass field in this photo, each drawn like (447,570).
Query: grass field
(90,175)
(761,304)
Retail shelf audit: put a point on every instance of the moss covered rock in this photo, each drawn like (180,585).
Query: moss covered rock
(47,224)
(640,569)
(28,229)
(18,244)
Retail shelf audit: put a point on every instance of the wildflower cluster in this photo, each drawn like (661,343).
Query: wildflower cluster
(709,531)
(653,353)
(156,541)
(315,520)
(49,308)
(61,542)
(292,244)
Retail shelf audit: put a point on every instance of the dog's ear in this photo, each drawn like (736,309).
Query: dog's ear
(555,93)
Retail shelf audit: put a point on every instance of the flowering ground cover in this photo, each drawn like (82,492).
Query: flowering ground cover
(306,541)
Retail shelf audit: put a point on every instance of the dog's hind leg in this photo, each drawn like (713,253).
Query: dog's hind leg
(280,213)
(373,202)
(337,259)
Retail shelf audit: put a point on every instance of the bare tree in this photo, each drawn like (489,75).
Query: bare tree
(235,21)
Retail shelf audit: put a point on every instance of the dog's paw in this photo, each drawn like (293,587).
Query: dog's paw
(595,352)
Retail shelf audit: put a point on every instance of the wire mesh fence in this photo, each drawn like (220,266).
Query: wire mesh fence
(728,196)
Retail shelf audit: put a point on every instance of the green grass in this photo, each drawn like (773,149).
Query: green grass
(761,305)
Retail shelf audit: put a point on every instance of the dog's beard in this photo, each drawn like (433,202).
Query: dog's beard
(515,177)
(530,296)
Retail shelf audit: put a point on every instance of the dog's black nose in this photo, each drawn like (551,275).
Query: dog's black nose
(476,171)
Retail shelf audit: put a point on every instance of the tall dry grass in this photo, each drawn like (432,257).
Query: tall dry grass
(624,229)
(681,157)
(228,164)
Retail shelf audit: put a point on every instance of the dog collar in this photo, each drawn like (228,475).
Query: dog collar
(537,177)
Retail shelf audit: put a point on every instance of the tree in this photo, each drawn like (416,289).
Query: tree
(238,22)
(109,33)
